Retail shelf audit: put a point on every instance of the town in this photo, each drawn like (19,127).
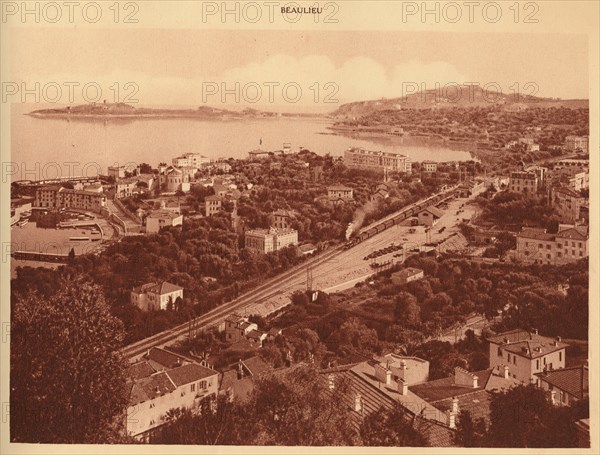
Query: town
(375,280)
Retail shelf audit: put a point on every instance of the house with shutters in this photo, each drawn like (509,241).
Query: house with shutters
(526,354)
(160,382)
(155,296)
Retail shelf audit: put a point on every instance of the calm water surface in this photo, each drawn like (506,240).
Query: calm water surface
(43,148)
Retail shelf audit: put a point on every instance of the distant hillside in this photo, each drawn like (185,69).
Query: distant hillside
(432,99)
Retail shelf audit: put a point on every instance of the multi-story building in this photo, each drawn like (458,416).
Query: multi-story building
(162,218)
(340,193)
(429,166)
(125,187)
(567,204)
(523,182)
(55,197)
(269,240)
(161,381)
(577,179)
(282,219)
(537,246)
(358,157)
(539,171)
(116,172)
(238,327)
(194,160)
(155,296)
(212,205)
(574,143)
(526,354)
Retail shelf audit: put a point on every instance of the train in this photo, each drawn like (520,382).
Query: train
(359,237)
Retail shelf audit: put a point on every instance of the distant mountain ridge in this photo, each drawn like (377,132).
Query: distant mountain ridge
(453,98)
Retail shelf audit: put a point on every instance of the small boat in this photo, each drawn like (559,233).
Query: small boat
(79,238)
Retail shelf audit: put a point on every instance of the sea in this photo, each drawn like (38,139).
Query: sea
(43,149)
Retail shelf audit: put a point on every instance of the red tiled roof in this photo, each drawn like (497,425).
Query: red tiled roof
(149,388)
(573,380)
(164,358)
(526,344)
(536,234)
(373,400)
(140,370)
(189,373)
(441,389)
(256,366)
(575,233)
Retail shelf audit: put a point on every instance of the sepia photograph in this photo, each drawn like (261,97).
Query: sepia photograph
(237,225)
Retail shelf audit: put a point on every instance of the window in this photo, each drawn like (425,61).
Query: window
(547,247)
(193,387)
(544,360)
(548,255)
(514,359)
(559,254)
(560,356)
(152,405)
(537,364)
(499,351)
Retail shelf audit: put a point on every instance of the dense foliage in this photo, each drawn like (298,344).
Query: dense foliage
(67,377)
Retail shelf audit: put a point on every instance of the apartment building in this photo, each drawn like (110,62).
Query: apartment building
(567,203)
(526,354)
(429,166)
(212,205)
(536,246)
(55,197)
(574,143)
(359,157)
(161,381)
(523,182)
(269,240)
(194,160)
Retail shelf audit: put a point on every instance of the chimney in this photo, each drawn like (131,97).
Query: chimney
(506,372)
(358,403)
(402,387)
(240,369)
(535,331)
(464,378)
(451,420)
(454,405)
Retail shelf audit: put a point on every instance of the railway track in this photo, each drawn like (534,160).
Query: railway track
(218,314)
(277,284)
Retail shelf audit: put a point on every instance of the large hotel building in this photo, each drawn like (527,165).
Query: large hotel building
(358,157)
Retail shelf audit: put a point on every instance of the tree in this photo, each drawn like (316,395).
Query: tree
(67,375)
(407,309)
(469,433)
(297,408)
(524,417)
(390,428)
(71,255)
(300,298)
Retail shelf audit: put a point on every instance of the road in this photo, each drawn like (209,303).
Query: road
(332,270)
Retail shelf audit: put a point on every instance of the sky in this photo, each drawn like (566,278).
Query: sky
(192,67)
